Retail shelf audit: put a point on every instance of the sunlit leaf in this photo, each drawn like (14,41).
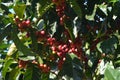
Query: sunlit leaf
(14,74)
(20,46)
(40,24)
(111,73)
(45,8)
(12,49)
(19,9)
(112,1)
(6,67)
(53,28)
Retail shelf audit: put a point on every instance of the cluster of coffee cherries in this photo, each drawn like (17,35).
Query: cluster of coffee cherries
(23,25)
(41,35)
(62,48)
(60,9)
(43,67)
(58,47)
(22,64)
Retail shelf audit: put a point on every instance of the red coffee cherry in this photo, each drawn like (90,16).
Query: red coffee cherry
(61,62)
(22,64)
(34,62)
(55,1)
(42,33)
(22,26)
(26,24)
(99,61)
(60,9)
(17,20)
(44,68)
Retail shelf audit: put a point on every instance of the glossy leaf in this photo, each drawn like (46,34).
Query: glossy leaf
(45,8)
(5,31)
(113,1)
(20,46)
(108,46)
(76,8)
(112,74)
(19,9)
(32,73)
(68,70)
(12,49)
(53,28)
(14,74)
(6,66)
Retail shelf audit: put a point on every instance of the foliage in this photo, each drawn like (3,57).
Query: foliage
(60,39)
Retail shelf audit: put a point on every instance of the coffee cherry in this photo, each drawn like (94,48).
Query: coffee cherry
(17,20)
(61,62)
(51,41)
(103,54)
(26,24)
(52,57)
(53,48)
(22,64)
(60,47)
(55,1)
(60,9)
(60,54)
(34,62)
(44,68)
(42,32)
(99,61)
(22,26)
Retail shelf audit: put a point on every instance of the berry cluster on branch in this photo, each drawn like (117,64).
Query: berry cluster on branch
(23,25)
(43,67)
(60,9)
(58,47)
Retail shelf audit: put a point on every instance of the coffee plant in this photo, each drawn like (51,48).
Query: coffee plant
(59,40)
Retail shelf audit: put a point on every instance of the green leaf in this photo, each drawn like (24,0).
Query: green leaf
(111,73)
(14,74)
(6,67)
(72,55)
(28,74)
(32,73)
(27,58)
(67,70)
(45,8)
(70,31)
(109,46)
(19,9)
(44,76)
(40,60)
(76,69)
(12,49)
(76,8)
(91,17)
(77,24)
(34,45)
(5,31)
(53,28)
(113,1)
(40,24)
(4,7)
(20,46)
(3,45)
